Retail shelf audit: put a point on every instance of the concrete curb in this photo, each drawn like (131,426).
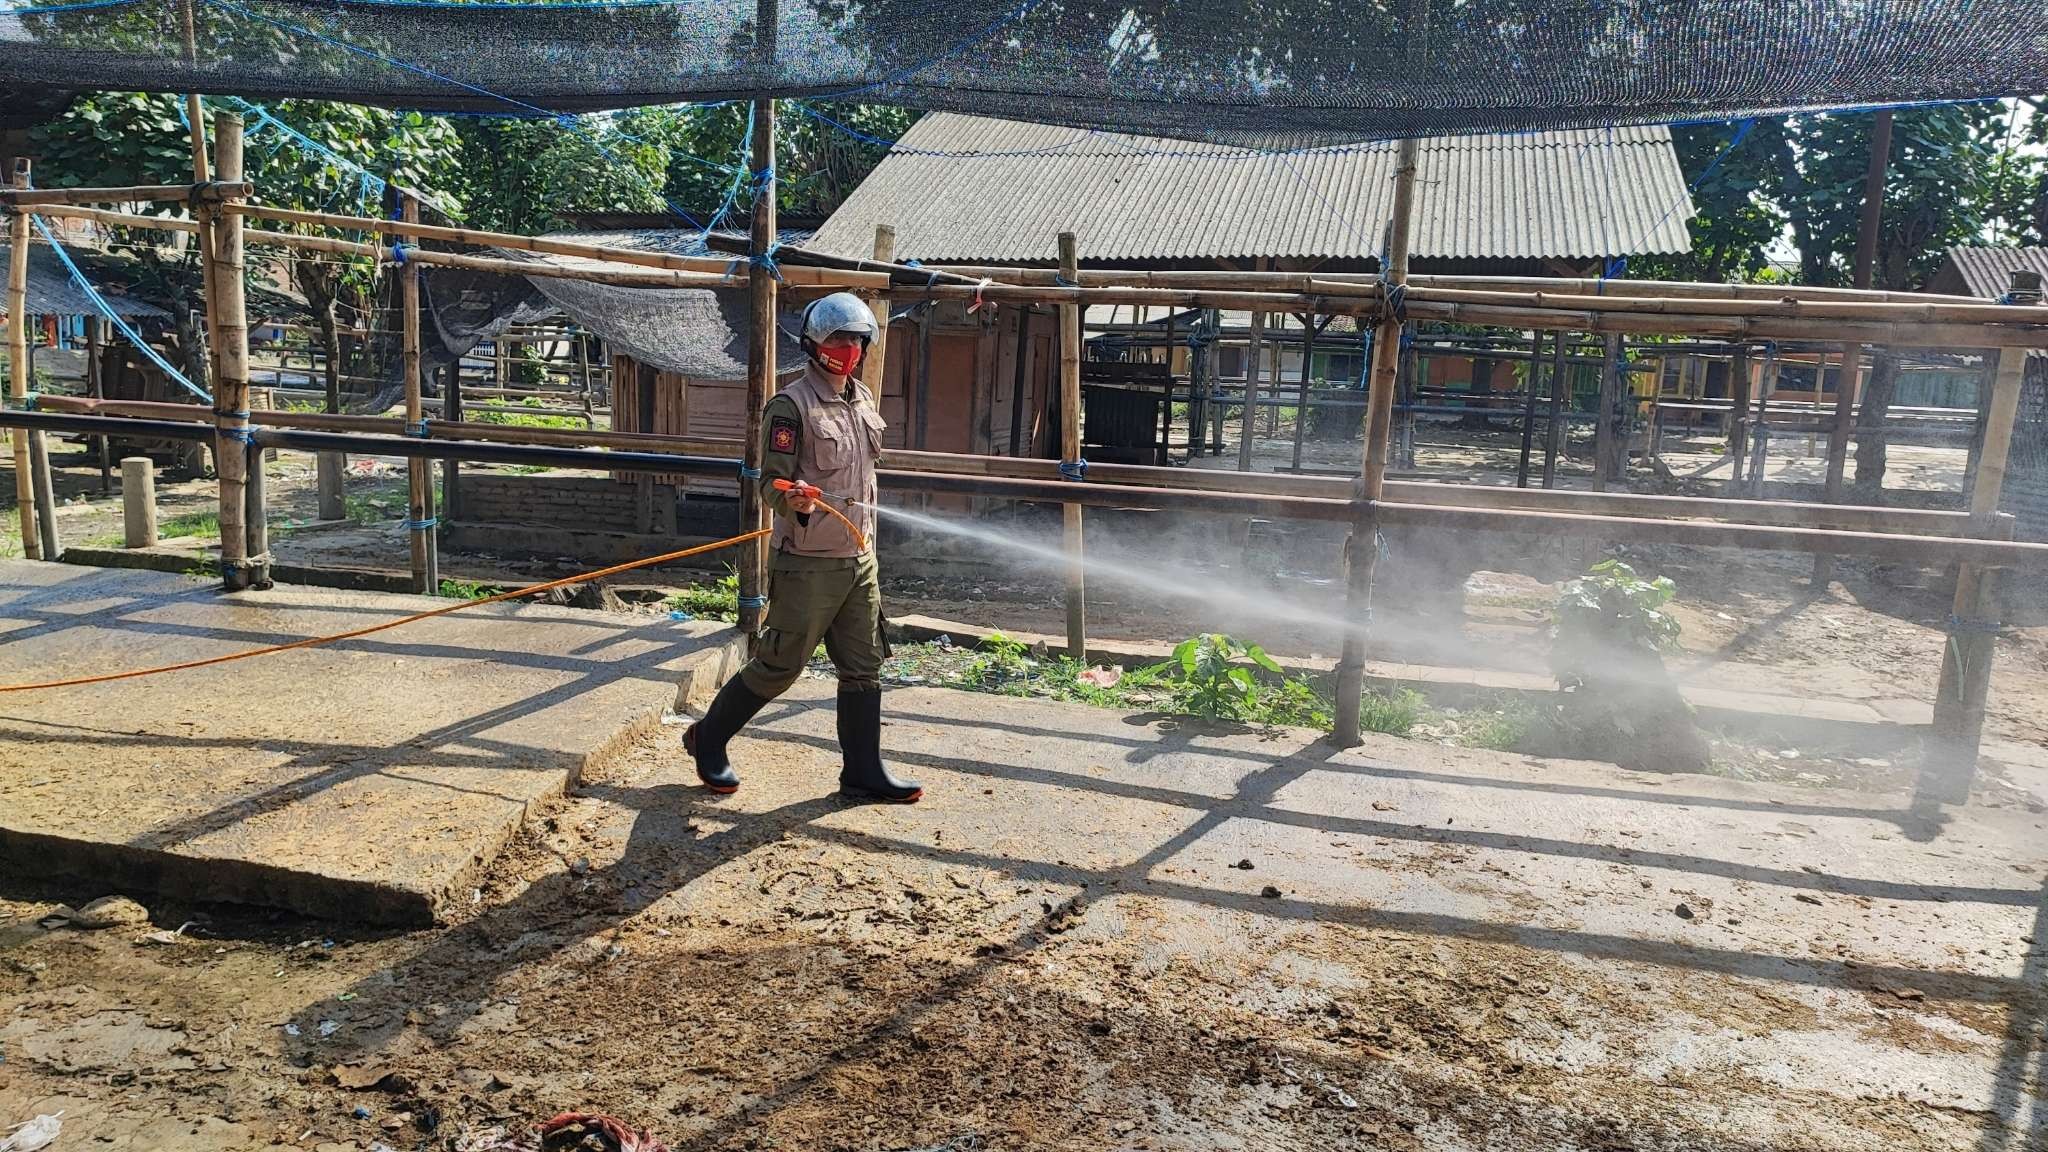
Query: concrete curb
(706,671)
(181,561)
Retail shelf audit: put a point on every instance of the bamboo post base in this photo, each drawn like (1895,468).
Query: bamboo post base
(46,500)
(1965,686)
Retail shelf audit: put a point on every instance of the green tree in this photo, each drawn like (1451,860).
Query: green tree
(817,163)
(526,175)
(122,138)
(1940,188)
(1735,221)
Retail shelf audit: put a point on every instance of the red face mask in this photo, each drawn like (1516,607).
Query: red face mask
(838,359)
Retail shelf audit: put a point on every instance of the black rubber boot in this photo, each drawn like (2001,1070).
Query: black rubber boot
(705,740)
(860,746)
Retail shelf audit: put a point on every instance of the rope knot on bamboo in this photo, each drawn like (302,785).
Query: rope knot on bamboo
(1074,469)
(1975,624)
(753,602)
(747,473)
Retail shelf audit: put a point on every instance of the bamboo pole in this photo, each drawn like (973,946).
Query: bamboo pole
(210,191)
(1247,429)
(1362,546)
(1070,455)
(714,268)
(231,349)
(1368,283)
(874,366)
(1714,534)
(451,470)
(543,268)
(1760,422)
(419,480)
(1967,655)
(1308,355)
(760,361)
(95,348)
(122,219)
(45,496)
(1529,407)
(18,366)
(227,318)
(1853,310)
(1613,384)
(1838,446)
(1771,513)
(1553,431)
(1738,409)
(1682,290)
(2019,333)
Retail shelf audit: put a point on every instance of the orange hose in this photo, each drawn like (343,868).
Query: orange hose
(858,537)
(315,641)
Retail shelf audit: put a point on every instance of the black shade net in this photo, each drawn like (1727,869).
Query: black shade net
(1313,71)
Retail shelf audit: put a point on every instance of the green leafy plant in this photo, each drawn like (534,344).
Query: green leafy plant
(1215,675)
(468,589)
(716,601)
(1607,612)
(1619,701)
(1002,661)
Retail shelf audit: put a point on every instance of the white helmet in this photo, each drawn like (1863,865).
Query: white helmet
(839,312)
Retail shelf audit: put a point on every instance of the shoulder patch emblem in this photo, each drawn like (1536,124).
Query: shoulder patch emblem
(782,435)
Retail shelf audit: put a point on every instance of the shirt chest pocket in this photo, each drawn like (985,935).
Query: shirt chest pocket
(872,424)
(828,442)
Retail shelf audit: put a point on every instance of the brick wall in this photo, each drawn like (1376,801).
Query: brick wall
(580,503)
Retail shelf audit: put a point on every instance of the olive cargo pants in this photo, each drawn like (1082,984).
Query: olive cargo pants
(812,598)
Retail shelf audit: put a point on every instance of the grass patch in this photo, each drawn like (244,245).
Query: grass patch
(468,589)
(190,524)
(524,469)
(1393,713)
(541,417)
(1503,722)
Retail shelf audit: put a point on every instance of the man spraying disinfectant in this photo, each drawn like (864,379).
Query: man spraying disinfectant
(821,435)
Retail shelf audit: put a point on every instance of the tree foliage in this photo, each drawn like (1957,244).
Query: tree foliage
(1956,174)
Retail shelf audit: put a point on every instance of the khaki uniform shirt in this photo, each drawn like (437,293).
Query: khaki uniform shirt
(815,433)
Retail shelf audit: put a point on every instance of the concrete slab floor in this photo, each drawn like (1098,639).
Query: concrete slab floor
(369,779)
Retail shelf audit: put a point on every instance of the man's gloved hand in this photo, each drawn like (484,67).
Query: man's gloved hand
(803,498)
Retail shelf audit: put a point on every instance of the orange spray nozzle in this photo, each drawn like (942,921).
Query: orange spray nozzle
(813,492)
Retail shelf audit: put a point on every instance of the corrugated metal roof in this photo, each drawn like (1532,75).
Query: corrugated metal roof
(52,292)
(1987,272)
(968,188)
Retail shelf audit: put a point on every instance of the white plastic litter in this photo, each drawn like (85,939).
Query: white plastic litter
(32,1135)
